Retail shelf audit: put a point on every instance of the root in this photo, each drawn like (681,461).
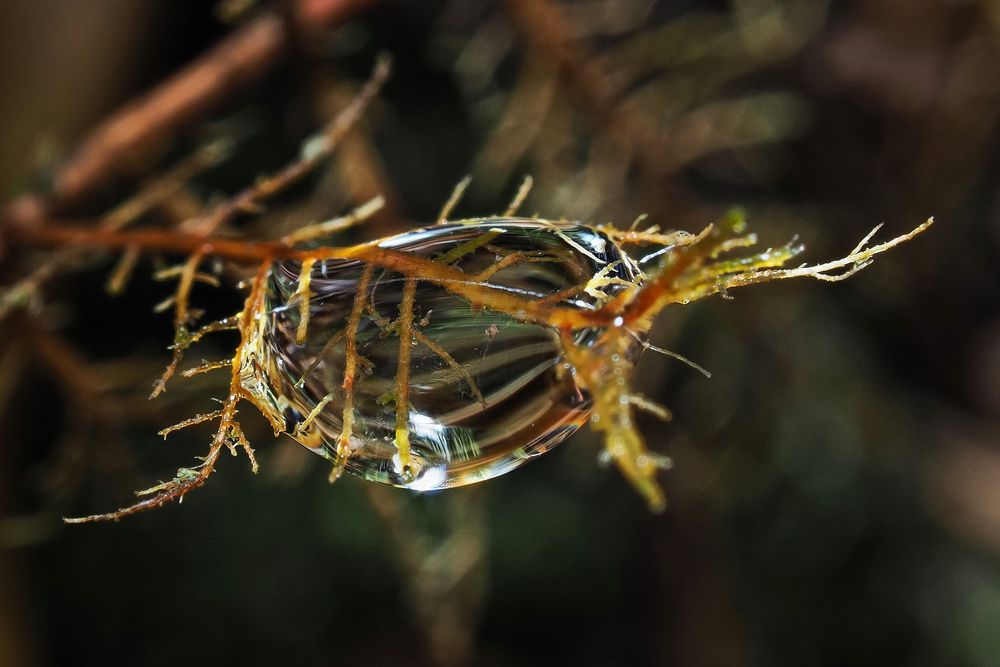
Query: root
(327,347)
(674,355)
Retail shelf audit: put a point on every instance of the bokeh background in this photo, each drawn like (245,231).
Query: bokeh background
(836,493)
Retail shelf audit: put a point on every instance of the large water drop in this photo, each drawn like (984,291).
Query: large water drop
(524,400)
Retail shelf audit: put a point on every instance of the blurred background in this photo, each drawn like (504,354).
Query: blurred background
(836,491)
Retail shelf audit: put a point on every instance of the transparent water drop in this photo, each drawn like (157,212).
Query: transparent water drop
(524,402)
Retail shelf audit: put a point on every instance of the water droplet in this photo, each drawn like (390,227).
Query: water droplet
(501,399)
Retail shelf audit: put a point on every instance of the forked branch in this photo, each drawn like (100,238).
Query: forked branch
(229,434)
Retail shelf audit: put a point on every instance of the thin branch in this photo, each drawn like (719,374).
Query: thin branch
(319,230)
(153,119)
(191,421)
(314,151)
(229,433)
(181,321)
(454,199)
(207,367)
(522,194)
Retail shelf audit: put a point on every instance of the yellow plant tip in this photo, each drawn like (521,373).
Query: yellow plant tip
(735,220)
(858,259)
(596,285)
(651,491)
(657,503)
(336,470)
(639,219)
(177,270)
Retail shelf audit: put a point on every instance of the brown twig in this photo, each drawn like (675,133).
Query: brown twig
(188,96)
(228,435)
(316,150)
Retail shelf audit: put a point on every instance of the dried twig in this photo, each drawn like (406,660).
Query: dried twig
(240,59)
(314,151)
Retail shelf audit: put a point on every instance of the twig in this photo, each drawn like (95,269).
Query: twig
(228,434)
(154,193)
(315,150)
(188,96)
(456,196)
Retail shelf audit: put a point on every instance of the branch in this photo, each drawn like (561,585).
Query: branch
(235,63)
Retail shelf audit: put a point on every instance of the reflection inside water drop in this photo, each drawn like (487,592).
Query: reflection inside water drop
(521,400)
